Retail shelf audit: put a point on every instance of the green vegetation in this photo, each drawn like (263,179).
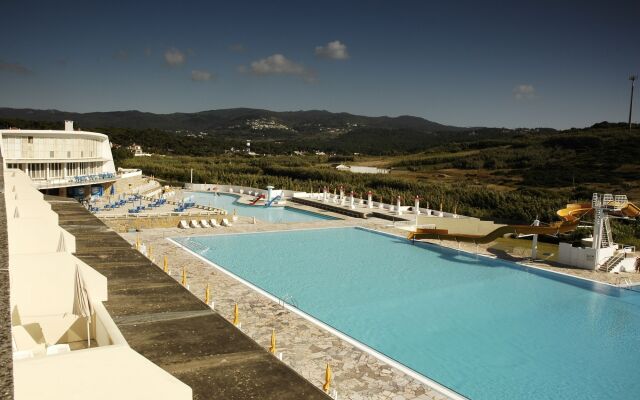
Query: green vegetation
(512,179)
(499,174)
(307,173)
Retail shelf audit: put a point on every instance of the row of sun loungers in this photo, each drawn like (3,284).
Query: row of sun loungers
(203,223)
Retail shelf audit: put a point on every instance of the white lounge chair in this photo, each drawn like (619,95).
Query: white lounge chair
(204,223)
(183,225)
(225,222)
(214,223)
(194,224)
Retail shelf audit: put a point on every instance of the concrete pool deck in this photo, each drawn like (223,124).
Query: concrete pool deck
(171,327)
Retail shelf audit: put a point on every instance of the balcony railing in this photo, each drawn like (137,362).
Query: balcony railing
(74,180)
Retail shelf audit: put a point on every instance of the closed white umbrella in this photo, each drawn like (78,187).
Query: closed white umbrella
(82,306)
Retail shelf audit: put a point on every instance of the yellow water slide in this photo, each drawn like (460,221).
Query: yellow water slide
(570,216)
(574,211)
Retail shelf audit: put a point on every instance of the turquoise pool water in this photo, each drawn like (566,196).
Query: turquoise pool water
(266,214)
(487,329)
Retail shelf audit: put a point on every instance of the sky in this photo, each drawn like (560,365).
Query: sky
(466,63)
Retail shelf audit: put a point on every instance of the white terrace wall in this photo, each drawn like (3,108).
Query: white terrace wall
(42,273)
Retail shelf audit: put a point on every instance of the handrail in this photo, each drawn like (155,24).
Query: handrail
(288,299)
(613,261)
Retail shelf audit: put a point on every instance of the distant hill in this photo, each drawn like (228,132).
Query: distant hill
(312,121)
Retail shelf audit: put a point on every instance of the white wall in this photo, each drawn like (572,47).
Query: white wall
(583,257)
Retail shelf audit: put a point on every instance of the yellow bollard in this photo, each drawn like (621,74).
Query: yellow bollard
(138,242)
(207,295)
(236,315)
(272,349)
(184,276)
(166,264)
(150,252)
(327,379)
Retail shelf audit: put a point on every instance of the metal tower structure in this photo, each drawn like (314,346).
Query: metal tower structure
(603,205)
(632,78)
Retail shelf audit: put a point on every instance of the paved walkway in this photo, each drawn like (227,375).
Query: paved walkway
(174,329)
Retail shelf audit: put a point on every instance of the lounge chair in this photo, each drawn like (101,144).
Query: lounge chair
(194,224)
(214,223)
(225,222)
(204,223)
(183,225)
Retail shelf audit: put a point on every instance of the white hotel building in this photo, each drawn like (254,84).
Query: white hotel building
(61,162)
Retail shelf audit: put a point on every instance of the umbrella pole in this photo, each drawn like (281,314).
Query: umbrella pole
(88,332)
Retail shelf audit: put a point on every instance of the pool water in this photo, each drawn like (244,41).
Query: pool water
(487,329)
(267,214)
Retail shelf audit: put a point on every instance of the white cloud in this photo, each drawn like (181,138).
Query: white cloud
(278,64)
(524,92)
(201,76)
(334,50)
(174,57)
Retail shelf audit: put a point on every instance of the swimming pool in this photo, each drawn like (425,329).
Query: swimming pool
(266,214)
(487,329)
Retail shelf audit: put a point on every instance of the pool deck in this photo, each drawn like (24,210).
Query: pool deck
(171,327)
(306,347)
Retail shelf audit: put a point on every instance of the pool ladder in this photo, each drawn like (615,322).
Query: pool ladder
(197,247)
(288,299)
(623,281)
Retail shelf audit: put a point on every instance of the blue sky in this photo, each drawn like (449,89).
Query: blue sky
(465,63)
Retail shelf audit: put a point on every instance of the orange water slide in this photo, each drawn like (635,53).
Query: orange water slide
(630,210)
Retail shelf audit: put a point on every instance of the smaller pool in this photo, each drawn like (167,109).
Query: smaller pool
(277,215)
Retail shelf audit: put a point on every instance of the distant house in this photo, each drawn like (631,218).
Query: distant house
(357,169)
(136,149)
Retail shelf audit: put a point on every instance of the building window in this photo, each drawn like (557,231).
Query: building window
(72,169)
(30,139)
(68,154)
(51,154)
(81,154)
(55,170)
(38,171)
